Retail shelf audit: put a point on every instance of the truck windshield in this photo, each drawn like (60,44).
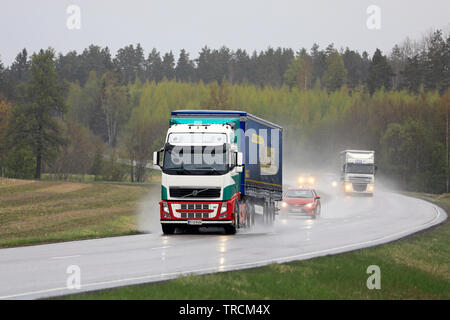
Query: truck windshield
(360,168)
(195,160)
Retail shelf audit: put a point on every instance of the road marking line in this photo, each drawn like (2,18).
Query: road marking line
(66,257)
(231,267)
(165,247)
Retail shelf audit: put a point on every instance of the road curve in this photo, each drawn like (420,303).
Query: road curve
(346,223)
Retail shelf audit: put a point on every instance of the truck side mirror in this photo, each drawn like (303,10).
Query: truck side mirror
(155,158)
(376,168)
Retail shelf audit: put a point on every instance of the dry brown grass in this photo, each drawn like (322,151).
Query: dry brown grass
(44,211)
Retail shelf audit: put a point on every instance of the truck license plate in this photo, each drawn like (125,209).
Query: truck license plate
(195,222)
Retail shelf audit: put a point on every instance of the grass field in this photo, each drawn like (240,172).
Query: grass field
(34,212)
(417,267)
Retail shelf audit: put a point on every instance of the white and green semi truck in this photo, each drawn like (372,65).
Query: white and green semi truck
(216,167)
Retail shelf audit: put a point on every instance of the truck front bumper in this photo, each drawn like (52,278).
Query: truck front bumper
(358,188)
(208,223)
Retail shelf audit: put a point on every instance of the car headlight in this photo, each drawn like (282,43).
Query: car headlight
(301,180)
(284,204)
(311,180)
(224,207)
(309,205)
(334,184)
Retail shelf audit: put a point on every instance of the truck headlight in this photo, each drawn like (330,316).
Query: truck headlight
(224,207)
(311,180)
(370,187)
(309,205)
(165,207)
(284,204)
(348,187)
(334,184)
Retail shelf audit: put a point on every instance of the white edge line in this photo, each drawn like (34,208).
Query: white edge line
(66,257)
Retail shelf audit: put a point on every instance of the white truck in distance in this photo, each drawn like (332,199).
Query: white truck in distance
(358,171)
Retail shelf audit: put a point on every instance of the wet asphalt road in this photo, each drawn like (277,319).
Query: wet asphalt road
(346,223)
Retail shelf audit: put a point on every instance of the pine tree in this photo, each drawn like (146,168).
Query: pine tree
(40,100)
(380,73)
(185,68)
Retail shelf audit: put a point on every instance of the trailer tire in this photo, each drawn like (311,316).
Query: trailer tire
(249,214)
(269,213)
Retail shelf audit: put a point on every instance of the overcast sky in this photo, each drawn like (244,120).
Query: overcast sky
(192,24)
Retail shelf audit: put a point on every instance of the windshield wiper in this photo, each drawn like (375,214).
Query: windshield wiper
(209,168)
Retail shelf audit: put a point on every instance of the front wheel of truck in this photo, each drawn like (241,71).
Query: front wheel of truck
(167,229)
(231,229)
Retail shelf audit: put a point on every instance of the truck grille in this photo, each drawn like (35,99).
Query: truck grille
(198,215)
(194,192)
(360,180)
(199,210)
(359,187)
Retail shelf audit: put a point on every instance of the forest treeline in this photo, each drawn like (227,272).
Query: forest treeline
(91,114)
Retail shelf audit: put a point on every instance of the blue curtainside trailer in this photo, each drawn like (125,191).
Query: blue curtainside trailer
(259,140)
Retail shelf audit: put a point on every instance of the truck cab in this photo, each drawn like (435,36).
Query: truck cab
(358,171)
(200,169)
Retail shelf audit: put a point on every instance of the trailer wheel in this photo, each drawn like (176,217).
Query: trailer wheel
(269,213)
(168,229)
(249,214)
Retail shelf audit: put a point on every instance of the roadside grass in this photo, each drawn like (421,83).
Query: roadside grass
(417,267)
(35,212)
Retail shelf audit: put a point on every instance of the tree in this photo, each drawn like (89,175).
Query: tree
(130,63)
(168,66)
(219,95)
(336,74)
(299,72)
(380,73)
(78,155)
(70,67)
(185,68)
(97,59)
(153,66)
(114,103)
(142,130)
(354,64)
(240,66)
(5,115)
(2,78)
(20,68)
(437,62)
(397,61)
(40,99)
(413,74)
(319,63)
(410,152)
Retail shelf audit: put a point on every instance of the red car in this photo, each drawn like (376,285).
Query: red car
(304,201)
